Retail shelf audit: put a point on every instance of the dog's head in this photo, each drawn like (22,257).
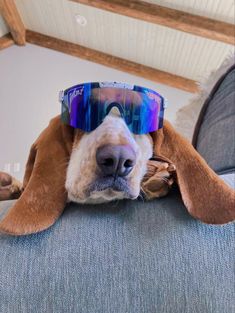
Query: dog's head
(106,164)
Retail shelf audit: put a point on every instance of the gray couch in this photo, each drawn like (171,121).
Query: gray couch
(131,256)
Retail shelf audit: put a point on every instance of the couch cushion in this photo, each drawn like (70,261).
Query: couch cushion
(214,134)
(131,256)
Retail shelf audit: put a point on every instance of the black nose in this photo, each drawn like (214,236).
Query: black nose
(115,160)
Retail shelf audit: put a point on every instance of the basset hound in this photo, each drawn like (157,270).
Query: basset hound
(109,163)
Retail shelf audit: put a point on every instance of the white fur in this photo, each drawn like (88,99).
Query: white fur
(82,169)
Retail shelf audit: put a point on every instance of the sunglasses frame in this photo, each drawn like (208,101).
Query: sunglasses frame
(63,95)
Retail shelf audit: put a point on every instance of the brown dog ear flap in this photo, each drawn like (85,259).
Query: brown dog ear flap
(204,194)
(44,196)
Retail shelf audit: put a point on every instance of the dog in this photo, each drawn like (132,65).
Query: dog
(110,163)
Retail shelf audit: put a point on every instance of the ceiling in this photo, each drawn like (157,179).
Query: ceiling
(222,10)
(149,44)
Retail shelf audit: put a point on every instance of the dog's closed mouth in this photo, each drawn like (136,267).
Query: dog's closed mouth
(110,183)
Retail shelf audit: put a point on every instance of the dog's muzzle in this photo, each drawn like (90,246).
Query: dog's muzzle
(114,163)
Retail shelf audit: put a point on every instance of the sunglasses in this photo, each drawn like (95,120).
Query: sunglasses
(86,105)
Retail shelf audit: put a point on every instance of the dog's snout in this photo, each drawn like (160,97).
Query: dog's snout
(115,160)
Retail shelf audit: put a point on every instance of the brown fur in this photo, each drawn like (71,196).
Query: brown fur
(159,178)
(204,194)
(10,188)
(44,197)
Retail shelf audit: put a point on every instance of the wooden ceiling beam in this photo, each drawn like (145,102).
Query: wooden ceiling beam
(112,61)
(12,17)
(153,13)
(6,41)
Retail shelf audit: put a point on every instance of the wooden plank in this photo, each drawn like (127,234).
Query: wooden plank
(112,61)
(6,41)
(11,16)
(153,13)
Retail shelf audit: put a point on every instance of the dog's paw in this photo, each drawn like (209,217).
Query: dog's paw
(159,178)
(10,188)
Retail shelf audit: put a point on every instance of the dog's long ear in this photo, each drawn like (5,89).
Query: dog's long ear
(44,196)
(204,194)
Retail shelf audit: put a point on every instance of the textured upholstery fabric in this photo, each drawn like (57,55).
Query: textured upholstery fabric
(129,257)
(216,138)
(132,257)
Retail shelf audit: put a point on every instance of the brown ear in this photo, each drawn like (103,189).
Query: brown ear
(44,196)
(204,194)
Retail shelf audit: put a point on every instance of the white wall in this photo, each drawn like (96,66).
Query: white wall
(30,79)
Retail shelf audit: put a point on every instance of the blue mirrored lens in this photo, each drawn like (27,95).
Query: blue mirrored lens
(85,107)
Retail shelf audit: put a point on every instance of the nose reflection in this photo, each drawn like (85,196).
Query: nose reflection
(115,108)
